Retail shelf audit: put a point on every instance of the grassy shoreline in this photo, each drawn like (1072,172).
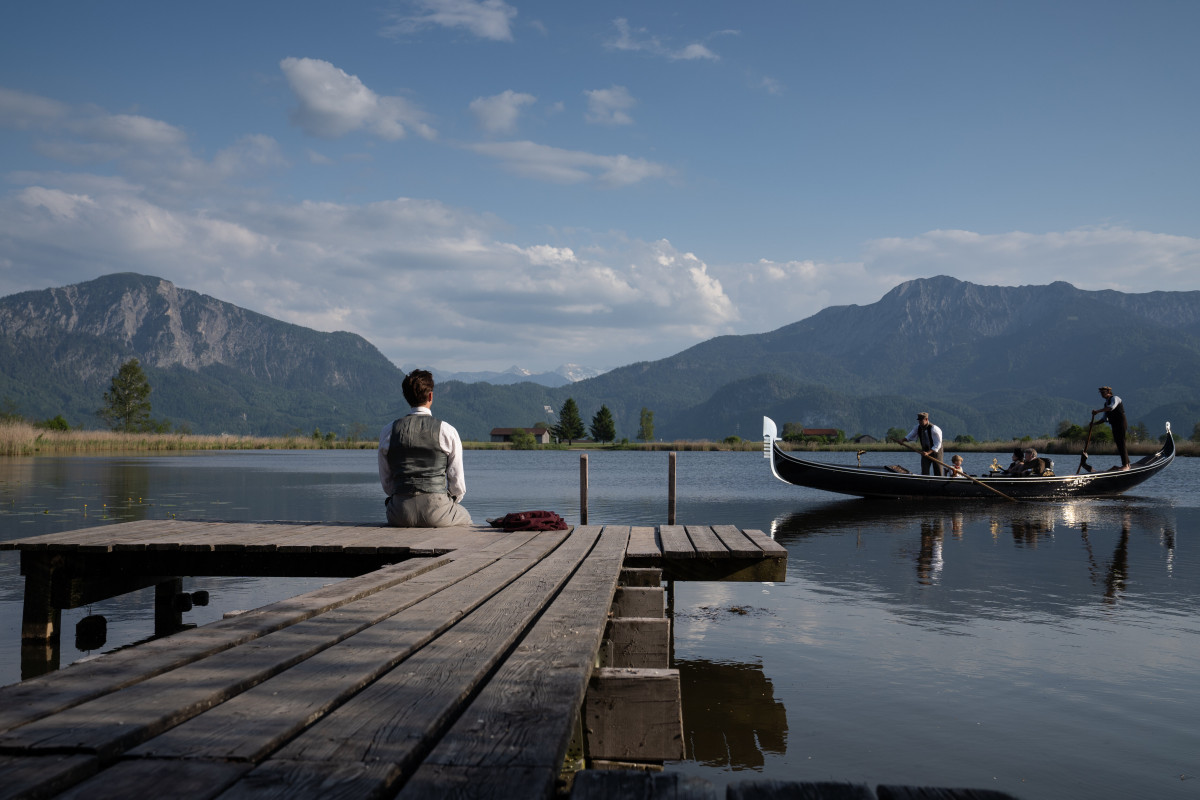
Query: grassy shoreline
(23,439)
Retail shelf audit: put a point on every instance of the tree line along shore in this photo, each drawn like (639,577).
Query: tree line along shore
(22,438)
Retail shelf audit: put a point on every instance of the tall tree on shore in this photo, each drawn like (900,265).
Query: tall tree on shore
(646,425)
(570,424)
(127,402)
(603,428)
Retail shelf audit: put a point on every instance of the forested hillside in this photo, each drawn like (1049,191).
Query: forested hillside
(988,361)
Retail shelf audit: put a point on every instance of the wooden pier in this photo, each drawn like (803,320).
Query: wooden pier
(452,661)
(457,662)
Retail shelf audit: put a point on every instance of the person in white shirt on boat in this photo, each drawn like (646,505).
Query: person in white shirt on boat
(956,470)
(929,436)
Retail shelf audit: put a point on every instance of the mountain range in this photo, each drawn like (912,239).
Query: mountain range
(562,376)
(989,361)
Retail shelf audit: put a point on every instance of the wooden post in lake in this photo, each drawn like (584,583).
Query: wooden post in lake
(583,489)
(671,489)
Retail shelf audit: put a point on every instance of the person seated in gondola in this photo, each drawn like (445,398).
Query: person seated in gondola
(1017,465)
(956,470)
(1032,464)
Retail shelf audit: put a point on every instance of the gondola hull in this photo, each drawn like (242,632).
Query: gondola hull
(879,481)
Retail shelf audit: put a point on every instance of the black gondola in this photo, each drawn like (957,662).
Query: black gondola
(882,481)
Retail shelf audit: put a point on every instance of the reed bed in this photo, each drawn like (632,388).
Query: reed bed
(23,439)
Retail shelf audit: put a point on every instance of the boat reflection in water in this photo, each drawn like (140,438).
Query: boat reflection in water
(1060,554)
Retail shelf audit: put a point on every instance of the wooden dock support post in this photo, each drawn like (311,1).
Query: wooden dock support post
(634,715)
(671,489)
(583,489)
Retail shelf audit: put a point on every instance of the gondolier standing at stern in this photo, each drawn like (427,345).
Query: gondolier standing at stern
(1114,415)
(930,438)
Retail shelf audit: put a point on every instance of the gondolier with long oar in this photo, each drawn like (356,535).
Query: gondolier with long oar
(929,436)
(1113,412)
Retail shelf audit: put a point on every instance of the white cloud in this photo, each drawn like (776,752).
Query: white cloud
(609,106)
(333,103)
(27,111)
(556,165)
(775,293)
(488,19)
(343,266)
(641,40)
(1107,257)
(498,113)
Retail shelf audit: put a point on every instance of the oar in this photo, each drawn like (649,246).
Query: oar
(1087,443)
(965,475)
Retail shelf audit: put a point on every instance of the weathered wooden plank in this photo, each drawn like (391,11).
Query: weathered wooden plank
(762,789)
(130,539)
(644,543)
(504,782)
(766,544)
(738,544)
(42,776)
(115,722)
(158,778)
(350,780)
(705,542)
(634,714)
(253,724)
(240,537)
(441,540)
(516,732)
(397,718)
(38,697)
(369,540)
(602,784)
(675,542)
(69,540)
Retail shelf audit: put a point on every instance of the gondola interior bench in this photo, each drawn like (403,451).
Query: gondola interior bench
(461,669)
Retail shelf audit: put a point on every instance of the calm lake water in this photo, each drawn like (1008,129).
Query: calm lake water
(1049,650)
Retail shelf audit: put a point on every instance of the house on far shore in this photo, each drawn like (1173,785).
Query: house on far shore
(541,435)
(866,438)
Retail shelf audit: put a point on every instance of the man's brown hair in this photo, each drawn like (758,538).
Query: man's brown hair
(418,387)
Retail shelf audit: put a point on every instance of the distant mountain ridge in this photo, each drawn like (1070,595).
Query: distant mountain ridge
(212,365)
(991,361)
(562,376)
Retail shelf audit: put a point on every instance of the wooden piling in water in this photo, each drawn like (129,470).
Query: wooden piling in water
(583,489)
(671,489)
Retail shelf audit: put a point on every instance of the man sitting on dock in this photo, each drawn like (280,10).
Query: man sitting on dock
(421,463)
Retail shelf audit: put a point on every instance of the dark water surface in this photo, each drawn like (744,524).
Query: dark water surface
(1045,649)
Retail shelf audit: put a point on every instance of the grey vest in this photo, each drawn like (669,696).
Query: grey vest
(417,461)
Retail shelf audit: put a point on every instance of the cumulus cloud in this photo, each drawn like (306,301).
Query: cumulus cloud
(333,103)
(1105,257)
(609,106)
(27,111)
(151,152)
(556,165)
(498,113)
(487,19)
(777,293)
(641,40)
(343,266)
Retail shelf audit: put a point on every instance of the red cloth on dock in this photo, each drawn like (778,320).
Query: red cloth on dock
(530,521)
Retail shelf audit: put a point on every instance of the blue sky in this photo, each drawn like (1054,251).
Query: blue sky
(473,185)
